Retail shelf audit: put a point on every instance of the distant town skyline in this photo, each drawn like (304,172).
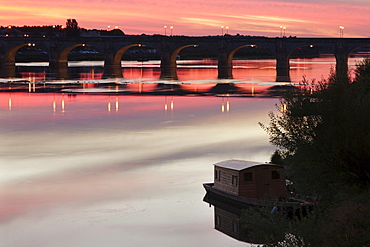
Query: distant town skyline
(301,18)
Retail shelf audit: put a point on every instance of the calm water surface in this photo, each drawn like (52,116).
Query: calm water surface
(127,170)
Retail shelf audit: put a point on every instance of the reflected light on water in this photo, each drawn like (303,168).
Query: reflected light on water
(108,169)
(252,70)
(88,176)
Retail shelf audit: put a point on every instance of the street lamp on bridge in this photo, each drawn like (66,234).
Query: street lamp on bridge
(341,31)
(282,31)
(165,30)
(222,30)
(171,27)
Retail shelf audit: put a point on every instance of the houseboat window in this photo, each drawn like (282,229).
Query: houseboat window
(248,176)
(218,220)
(235,180)
(275,175)
(235,227)
(217,174)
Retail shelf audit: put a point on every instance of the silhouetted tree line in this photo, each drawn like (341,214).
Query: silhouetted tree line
(70,29)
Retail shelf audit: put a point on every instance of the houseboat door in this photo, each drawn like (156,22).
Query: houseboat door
(264,185)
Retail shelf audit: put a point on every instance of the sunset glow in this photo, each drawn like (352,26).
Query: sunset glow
(246,17)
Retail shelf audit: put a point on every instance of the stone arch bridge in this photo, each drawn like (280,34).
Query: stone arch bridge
(112,48)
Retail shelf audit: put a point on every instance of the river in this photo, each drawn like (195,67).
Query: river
(106,169)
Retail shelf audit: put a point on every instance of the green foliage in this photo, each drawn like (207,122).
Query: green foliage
(276,158)
(362,73)
(348,224)
(322,131)
(277,229)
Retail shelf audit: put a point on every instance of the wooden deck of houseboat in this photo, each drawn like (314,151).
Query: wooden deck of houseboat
(291,202)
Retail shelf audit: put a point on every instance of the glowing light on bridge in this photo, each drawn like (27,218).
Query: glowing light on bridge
(222,30)
(282,31)
(341,31)
(171,27)
(165,30)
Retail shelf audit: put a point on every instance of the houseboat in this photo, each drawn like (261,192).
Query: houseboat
(251,183)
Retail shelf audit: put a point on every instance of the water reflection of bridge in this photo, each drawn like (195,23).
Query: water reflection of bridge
(113,48)
(113,88)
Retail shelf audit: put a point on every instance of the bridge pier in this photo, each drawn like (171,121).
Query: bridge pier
(8,71)
(282,62)
(111,69)
(168,63)
(341,58)
(7,68)
(57,69)
(53,56)
(225,67)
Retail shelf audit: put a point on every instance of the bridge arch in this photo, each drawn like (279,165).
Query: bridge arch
(176,52)
(10,55)
(232,53)
(354,49)
(283,60)
(225,60)
(168,61)
(118,56)
(296,48)
(63,55)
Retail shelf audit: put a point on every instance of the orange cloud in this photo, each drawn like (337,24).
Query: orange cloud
(311,18)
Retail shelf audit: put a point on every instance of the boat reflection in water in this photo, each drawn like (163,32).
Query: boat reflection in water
(228,219)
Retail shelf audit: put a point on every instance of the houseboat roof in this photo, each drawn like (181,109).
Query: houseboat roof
(239,165)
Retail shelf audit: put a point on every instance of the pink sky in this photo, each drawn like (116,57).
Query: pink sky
(302,18)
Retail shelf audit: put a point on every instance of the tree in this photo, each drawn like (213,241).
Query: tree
(72,28)
(72,23)
(322,131)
